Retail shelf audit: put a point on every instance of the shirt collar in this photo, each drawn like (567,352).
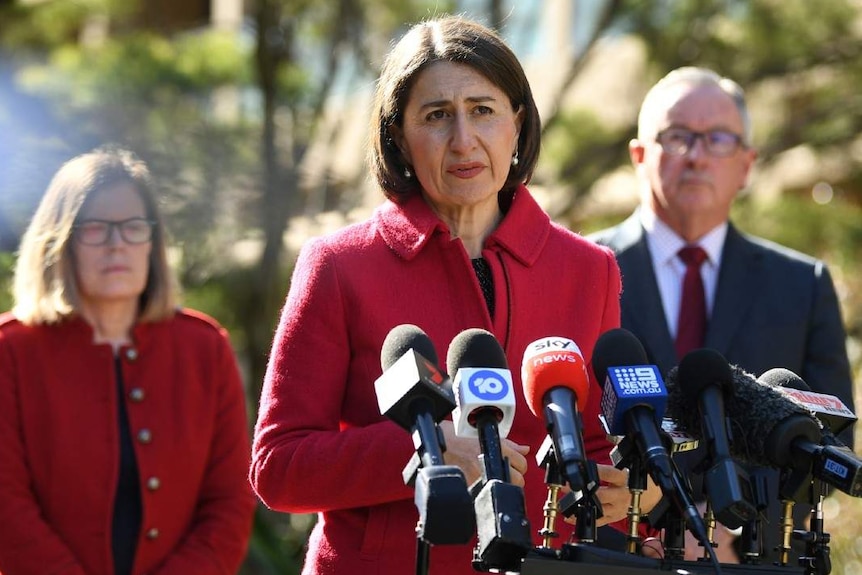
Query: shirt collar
(664,243)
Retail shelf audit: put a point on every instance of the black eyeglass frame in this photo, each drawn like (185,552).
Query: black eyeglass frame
(689,139)
(111,224)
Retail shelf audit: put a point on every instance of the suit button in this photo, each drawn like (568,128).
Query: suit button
(153,533)
(131,354)
(137,394)
(153,483)
(145,436)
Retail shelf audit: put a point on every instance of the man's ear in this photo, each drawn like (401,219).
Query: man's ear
(750,159)
(636,152)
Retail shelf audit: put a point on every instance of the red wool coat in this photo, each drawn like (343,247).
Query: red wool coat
(59,448)
(321,444)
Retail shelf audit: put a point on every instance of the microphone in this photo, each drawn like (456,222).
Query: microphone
(704,383)
(775,431)
(799,485)
(830,410)
(484,398)
(555,380)
(412,391)
(485,408)
(415,394)
(633,404)
(633,398)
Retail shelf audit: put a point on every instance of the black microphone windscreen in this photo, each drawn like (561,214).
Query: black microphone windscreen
(475,347)
(681,407)
(616,348)
(401,339)
(701,368)
(753,410)
(781,377)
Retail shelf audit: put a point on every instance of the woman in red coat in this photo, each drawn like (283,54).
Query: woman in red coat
(123,439)
(460,243)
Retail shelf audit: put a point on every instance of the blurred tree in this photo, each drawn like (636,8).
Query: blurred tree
(807,56)
(228,120)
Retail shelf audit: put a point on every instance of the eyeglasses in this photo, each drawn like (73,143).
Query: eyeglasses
(99,232)
(679,141)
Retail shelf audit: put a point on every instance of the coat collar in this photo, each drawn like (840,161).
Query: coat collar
(738,284)
(407,227)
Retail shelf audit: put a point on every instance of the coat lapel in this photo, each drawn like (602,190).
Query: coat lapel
(740,265)
(642,312)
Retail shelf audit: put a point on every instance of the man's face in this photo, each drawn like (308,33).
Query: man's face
(693,189)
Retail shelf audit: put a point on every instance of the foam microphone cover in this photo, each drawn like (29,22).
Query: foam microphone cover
(697,370)
(616,347)
(553,362)
(754,410)
(475,347)
(781,377)
(403,338)
(482,382)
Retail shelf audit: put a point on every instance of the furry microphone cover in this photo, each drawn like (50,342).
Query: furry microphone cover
(753,410)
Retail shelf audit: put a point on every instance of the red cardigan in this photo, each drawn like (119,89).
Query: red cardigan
(59,448)
(321,444)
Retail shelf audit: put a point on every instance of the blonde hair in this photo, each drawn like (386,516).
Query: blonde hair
(45,289)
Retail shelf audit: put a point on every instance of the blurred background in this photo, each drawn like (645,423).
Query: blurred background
(252,116)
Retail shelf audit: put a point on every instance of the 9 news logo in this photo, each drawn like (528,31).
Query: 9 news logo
(488,385)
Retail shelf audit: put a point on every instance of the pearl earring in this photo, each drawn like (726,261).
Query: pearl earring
(407,173)
(515,158)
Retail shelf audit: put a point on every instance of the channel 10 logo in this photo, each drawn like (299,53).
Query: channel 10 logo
(488,385)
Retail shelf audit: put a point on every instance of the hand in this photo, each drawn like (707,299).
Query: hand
(464,452)
(616,498)
(613,494)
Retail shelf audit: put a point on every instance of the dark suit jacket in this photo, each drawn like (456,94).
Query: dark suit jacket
(774,307)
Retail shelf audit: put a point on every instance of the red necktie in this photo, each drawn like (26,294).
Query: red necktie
(691,326)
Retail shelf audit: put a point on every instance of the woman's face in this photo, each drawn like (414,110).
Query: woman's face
(116,271)
(459,135)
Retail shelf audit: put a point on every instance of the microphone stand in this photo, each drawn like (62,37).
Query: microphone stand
(584,505)
(817,560)
(440,494)
(752,531)
(795,485)
(674,535)
(546,458)
(503,529)
(625,455)
(709,521)
(637,485)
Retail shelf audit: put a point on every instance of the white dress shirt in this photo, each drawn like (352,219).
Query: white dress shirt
(664,244)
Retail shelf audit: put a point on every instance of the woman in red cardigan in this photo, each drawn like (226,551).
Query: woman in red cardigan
(123,439)
(460,243)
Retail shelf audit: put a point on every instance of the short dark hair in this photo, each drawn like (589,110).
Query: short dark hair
(447,39)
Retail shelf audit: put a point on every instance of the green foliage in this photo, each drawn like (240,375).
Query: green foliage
(137,68)
(582,148)
(831,230)
(24,26)
(278,543)
(160,96)
(6,270)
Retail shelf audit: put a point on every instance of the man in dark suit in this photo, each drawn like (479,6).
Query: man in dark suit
(766,306)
